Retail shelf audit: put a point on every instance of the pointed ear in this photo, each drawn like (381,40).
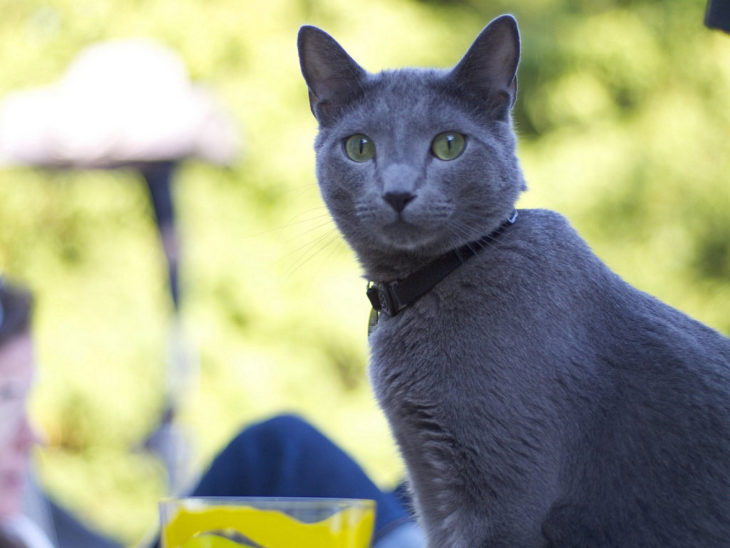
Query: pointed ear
(488,72)
(333,78)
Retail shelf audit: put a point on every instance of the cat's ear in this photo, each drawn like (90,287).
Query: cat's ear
(488,71)
(332,77)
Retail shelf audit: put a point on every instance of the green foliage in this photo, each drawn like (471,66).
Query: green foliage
(624,118)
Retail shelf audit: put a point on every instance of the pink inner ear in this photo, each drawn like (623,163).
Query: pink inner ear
(491,61)
(332,76)
(486,74)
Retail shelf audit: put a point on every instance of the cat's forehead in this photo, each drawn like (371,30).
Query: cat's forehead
(405,97)
(406,81)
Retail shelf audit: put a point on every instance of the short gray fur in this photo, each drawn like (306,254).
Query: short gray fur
(537,398)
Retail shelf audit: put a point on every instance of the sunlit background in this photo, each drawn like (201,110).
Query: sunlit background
(624,123)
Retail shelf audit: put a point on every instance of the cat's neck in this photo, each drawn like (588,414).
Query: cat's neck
(389,267)
(394,266)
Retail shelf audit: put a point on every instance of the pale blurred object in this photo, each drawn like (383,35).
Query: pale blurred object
(119,103)
(128,104)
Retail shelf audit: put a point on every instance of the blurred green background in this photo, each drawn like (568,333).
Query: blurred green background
(624,124)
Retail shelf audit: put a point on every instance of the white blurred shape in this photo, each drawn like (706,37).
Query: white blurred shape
(119,103)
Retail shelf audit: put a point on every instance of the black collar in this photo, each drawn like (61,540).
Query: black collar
(393,297)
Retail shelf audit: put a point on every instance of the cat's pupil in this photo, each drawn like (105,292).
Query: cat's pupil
(448,145)
(359,148)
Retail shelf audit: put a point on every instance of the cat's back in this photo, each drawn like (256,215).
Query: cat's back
(630,332)
(650,460)
(545,253)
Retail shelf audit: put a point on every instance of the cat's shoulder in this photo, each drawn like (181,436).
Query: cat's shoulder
(543,243)
(549,231)
(543,222)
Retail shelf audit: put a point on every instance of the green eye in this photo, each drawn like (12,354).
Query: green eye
(360,148)
(447,145)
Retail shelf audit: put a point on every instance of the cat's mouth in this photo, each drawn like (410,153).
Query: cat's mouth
(405,236)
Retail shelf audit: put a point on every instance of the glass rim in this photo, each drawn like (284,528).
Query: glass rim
(299,501)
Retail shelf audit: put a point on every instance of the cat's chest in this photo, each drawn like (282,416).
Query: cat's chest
(416,373)
(455,354)
(423,352)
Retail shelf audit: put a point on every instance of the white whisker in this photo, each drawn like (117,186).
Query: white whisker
(306,253)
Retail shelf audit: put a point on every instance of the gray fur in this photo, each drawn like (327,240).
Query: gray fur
(537,398)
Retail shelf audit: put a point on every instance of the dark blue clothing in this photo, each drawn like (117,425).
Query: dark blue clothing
(159,178)
(717,15)
(71,533)
(287,457)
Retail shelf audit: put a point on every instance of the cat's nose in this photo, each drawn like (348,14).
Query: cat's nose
(398,199)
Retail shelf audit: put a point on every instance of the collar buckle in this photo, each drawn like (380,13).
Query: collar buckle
(393,297)
(384,297)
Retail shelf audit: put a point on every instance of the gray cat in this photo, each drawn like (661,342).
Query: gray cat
(537,399)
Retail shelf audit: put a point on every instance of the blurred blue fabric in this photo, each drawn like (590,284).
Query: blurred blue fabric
(717,15)
(287,457)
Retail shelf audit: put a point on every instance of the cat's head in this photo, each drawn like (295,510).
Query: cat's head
(414,162)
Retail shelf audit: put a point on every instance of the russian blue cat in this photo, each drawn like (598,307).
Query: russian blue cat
(537,399)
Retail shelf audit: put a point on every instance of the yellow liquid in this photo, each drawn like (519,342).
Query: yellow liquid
(349,528)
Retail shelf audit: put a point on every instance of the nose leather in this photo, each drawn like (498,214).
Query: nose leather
(399,185)
(398,199)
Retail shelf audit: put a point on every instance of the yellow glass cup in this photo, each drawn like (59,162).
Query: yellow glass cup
(262,522)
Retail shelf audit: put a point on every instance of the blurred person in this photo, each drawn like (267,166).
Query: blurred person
(16,434)
(50,526)
(283,457)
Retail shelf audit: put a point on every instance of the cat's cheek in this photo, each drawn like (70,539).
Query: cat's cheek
(340,189)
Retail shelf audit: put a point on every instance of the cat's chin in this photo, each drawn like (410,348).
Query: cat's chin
(408,238)
(405,246)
